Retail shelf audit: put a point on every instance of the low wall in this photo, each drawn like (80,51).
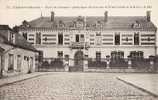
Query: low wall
(119,70)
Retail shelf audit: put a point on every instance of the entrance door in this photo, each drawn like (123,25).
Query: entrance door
(78,61)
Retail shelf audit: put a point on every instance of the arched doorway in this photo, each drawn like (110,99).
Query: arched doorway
(78,59)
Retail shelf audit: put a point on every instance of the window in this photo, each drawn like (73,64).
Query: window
(25,35)
(98,38)
(81,38)
(98,56)
(137,54)
(11,62)
(77,37)
(117,39)
(38,38)
(117,54)
(60,54)
(19,63)
(136,38)
(60,38)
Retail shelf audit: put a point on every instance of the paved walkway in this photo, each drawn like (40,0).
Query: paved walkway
(146,82)
(17,78)
(73,86)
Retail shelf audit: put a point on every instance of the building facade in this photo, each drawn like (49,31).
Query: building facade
(95,37)
(17,55)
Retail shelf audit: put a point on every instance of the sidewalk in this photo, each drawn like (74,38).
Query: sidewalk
(145,82)
(17,78)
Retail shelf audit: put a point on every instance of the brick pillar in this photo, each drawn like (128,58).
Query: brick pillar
(66,64)
(129,62)
(107,61)
(85,67)
(151,69)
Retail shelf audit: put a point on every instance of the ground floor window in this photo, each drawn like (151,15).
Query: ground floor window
(117,54)
(60,54)
(98,56)
(11,62)
(137,54)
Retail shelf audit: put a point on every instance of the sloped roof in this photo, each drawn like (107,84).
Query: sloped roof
(113,22)
(19,40)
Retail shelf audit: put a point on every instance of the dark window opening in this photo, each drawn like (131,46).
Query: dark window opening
(77,38)
(117,39)
(38,38)
(136,39)
(25,35)
(60,39)
(60,54)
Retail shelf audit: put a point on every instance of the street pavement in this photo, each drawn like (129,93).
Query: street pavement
(73,86)
(146,82)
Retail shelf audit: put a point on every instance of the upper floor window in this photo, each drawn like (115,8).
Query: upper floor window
(60,38)
(38,38)
(80,38)
(98,38)
(117,39)
(136,38)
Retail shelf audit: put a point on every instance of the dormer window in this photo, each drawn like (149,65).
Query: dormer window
(80,22)
(136,25)
(61,24)
(25,23)
(99,24)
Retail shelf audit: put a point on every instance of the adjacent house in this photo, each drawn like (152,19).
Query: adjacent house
(16,54)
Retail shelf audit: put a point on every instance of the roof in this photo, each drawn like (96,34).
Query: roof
(113,22)
(19,40)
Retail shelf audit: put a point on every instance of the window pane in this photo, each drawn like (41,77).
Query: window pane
(117,39)
(60,38)
(136,39)
(98,56)
(77,38)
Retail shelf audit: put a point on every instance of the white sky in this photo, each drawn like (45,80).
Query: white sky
(14,16)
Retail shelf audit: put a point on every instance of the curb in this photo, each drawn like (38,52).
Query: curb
(142,89)
(16,81)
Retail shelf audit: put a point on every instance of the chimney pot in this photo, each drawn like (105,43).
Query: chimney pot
(105,16)
(148,15)
(52,16)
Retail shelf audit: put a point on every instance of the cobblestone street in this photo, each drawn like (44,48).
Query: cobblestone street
(73,86)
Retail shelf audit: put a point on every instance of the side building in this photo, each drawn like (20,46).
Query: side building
(94,37)
(16,54)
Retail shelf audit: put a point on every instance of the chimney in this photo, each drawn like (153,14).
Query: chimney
(105,16)
(148,15)
(52,16)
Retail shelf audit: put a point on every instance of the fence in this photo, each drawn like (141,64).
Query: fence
(93,63)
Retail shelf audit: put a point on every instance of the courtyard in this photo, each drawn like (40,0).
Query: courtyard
(73,86)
